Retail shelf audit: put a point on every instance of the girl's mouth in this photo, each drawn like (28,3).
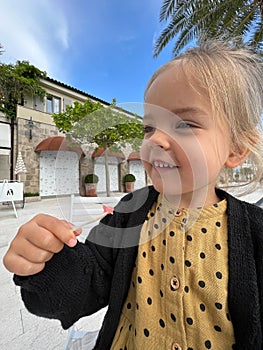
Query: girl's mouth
(159,164)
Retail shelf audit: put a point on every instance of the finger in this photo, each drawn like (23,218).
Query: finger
(38,237)
(56,227)
(30,252)
(77,231)
(21,266)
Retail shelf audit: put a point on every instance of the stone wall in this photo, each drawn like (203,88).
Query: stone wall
(40,132)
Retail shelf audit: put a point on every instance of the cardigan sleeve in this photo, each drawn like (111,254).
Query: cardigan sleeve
(74,283)
(256,219)
(78,281)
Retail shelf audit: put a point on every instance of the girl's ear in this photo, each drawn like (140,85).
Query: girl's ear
(237,157)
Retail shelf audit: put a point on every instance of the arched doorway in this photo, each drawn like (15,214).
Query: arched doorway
(114,160)
(59,167)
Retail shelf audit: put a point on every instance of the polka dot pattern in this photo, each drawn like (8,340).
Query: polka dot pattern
(146,332)
(191,250)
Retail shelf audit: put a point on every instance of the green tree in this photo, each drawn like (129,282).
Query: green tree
(106,127)
(65,121)
(188,20)
(16,81)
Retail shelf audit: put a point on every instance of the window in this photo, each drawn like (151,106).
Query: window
(5,135)
(38,103)
(67,102)
(53,104)
(5,146)
(4,164)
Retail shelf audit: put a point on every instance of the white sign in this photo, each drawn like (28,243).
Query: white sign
(11,191)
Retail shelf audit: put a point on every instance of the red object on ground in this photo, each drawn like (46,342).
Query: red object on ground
(107,209)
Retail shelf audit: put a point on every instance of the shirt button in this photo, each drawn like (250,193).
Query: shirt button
(175,284)
(178,212)
(176,346)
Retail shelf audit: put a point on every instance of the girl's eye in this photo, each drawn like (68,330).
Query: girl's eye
(148,129)
(184,125)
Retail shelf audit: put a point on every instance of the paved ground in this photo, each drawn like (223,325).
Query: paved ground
(19,329)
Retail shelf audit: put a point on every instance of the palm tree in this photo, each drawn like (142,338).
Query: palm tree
(191,19)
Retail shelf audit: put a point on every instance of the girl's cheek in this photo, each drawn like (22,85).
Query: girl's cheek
(145,151)
(146,166)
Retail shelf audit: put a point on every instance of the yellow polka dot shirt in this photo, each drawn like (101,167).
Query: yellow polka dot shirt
(178,293)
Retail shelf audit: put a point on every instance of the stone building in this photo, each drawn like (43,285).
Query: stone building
(53,167)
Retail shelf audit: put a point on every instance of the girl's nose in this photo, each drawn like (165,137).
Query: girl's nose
(160,138)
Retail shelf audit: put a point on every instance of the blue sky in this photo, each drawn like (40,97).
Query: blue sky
(103,47)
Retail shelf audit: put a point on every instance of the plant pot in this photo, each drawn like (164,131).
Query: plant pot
(129,186)
(91,189)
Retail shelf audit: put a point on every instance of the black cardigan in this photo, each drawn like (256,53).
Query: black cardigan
(79,281)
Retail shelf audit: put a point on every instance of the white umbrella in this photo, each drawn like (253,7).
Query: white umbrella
(20,166)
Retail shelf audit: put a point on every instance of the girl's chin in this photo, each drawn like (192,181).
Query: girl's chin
(172,189)
(167,189)
(167,184)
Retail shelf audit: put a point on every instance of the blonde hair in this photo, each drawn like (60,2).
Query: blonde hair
(233,79)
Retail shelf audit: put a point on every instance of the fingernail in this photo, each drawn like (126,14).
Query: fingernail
(72,242)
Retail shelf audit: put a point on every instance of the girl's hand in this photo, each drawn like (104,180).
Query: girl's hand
(36,242)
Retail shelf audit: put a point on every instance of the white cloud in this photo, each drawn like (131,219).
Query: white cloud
(82,43)
(35,31)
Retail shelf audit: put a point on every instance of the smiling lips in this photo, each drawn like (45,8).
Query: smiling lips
(163,165)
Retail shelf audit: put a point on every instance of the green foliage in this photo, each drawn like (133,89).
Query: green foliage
(191,20)
(31,194)
(129,178)
(66,121)
(105,126)
(16,81)
(91,179)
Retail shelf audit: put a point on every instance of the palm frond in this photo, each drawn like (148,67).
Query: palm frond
(185,37)
(256,40)
(243,24)
(167,9)
(168,33)
(209,18)
(180,20)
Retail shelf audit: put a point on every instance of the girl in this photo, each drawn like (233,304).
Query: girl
(179,263)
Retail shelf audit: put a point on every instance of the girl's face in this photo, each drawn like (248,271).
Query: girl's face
(184,147)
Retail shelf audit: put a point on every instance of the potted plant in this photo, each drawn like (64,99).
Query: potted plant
(129,180)
(91,181)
